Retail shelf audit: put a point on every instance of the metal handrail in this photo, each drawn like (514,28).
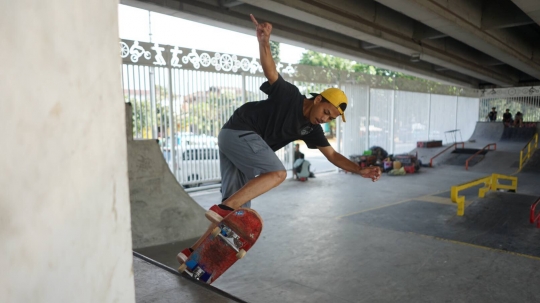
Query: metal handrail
(529,144)
(453,145)
(490,183)
(535,218)
(478,152)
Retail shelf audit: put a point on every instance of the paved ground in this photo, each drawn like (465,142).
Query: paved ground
(341,238)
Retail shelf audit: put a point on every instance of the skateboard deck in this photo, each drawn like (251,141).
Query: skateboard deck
(228,242)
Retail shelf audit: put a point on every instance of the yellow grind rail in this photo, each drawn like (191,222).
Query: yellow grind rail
(531,146)
(490,183)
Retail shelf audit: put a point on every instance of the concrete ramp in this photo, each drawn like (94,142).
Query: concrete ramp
(496,132)
(155,282)
(522,134)
(488,131)
(161,211)
(533,165)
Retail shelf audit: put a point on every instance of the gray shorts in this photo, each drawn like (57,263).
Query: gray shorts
(243,155)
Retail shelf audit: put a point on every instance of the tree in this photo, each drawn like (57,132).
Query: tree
(319,59)
(275,50)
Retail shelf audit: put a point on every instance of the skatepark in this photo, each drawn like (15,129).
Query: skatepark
(94,207)
(342,238)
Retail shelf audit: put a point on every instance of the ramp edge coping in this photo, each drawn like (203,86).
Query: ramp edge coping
(185,276)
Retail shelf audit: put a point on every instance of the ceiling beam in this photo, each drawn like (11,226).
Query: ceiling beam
(530,7)
(230,3)
(294,32)
(462,20)
(497,14)
(381,26)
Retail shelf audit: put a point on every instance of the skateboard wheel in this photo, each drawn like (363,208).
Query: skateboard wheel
(182,268)
(241,253)
(216,231)
(181,258)
(213,216)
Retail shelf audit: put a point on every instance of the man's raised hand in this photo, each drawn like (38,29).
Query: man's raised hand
(263,29)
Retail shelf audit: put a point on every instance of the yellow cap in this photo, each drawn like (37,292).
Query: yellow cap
(338,98)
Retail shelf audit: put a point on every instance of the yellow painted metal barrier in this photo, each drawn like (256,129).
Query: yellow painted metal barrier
(490,183)
(531,146)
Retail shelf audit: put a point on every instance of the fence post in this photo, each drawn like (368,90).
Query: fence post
(392,126)
(172,122)
(243,87)
(368,117)
(429,118)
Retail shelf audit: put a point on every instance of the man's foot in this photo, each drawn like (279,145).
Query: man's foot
(184,255)
(221,209)
(216,213)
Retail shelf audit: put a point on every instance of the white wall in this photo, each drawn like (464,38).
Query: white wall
(64,205)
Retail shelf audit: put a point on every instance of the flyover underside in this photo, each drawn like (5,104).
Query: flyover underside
(467,43)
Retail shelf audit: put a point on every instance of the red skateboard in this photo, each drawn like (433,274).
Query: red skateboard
(229,241)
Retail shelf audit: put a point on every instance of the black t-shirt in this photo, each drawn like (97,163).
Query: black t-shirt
(492,115)
(279,119)
(507,116)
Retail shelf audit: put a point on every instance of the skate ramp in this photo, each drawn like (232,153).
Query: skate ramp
(488,131)
(496,132)
(161,211)
(522,134)
(533,165)
(155,282)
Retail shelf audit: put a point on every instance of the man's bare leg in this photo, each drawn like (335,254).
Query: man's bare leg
(253,188)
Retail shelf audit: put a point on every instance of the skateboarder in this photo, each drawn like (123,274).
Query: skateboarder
(248,141)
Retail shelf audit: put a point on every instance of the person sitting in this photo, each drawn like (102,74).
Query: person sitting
(518,121)
(301,168)
(507,118)
(297,155)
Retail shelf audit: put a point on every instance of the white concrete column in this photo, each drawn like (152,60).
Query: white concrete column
(64,204)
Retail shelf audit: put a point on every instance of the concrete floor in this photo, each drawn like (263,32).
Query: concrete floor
(341,238)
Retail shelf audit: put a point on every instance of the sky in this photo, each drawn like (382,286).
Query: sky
(134,25)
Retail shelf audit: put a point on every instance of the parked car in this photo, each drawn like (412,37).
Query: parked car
(197,165)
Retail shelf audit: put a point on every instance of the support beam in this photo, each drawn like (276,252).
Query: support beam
(294,32)
(530,7)
(379,25)
(462,20)
(366,45)
(230,3)
(497,14)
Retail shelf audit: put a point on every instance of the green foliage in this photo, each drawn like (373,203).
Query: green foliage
(148,117)
(275,50)
(319,59)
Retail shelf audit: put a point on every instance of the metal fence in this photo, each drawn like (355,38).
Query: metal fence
(517,99)
(182,97)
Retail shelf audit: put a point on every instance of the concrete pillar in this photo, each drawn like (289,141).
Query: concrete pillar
(64,200)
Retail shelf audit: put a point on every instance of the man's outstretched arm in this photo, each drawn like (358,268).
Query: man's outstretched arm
(267,62)
(373,172)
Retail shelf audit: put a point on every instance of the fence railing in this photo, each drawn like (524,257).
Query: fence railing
(182,97)
(444,150)
(478,152)
(531,147)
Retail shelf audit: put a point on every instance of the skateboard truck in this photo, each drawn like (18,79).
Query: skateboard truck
(230,237)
